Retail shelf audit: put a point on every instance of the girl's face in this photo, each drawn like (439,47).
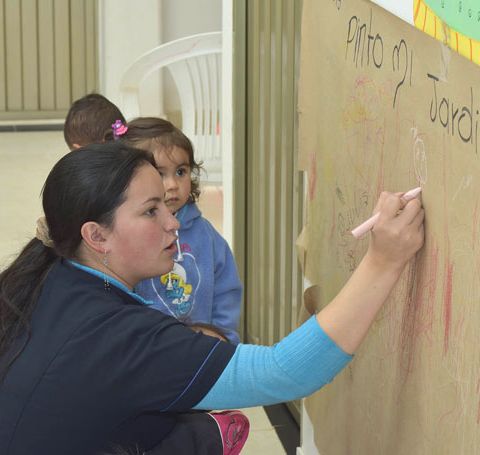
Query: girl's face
(173,165)
(141,242)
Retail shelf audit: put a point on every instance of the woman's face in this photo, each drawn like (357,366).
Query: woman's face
(141,241)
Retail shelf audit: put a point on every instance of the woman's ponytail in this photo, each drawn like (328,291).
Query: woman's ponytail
(20,286)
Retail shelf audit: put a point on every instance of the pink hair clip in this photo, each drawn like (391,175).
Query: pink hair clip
(119,129)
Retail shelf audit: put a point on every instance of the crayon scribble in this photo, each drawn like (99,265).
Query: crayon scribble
(432,285)
(447,303)
(448,267)
(409,320)
(419,157)
(365,103)
(475,225)
(418,312)
(464,184)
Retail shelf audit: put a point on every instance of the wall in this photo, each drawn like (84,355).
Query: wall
(203,16)
(186,17)
(383,106)
(402,9)
(48,57)
(127,30)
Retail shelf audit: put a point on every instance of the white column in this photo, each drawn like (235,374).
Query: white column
(227,109)
(307,440)
(127,30)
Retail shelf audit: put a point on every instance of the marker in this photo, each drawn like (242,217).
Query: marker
(366,226)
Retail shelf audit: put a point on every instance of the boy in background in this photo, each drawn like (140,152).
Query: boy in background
(88,119)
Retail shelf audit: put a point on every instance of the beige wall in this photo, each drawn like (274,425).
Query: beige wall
(25,161)
(48,57)
(126,31)
(203,16)
(129,29)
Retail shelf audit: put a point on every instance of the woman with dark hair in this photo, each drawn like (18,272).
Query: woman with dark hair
(86,366)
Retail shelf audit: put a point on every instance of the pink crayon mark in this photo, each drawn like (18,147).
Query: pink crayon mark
(418,313)
(448,272)
(447,304)
(409,320)
(426,290)
(432,286)
(362,80)
(312,176)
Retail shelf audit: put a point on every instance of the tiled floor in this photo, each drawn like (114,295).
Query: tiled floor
(25,160)
(263,439)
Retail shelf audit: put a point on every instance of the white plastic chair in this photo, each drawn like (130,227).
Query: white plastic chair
(195,65)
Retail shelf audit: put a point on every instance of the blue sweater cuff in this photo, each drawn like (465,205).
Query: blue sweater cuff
(297,366)
(310,349)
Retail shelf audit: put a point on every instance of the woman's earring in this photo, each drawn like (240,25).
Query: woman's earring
(106,282)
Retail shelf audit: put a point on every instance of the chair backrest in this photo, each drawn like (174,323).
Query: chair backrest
(195,65)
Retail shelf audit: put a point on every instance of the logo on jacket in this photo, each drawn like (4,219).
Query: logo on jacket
(177,290)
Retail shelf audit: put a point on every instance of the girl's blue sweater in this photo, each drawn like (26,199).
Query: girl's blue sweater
(204,285)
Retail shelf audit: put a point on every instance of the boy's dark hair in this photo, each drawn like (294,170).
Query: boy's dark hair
(88,118)
(150,132)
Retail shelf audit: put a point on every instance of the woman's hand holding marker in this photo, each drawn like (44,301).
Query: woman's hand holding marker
(367,225)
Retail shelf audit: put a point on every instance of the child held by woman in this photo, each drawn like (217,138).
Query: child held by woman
(203,286)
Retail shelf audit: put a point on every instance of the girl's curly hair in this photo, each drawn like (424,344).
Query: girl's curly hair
(150,132)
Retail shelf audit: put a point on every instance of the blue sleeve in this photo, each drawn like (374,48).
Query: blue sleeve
(297,366)
(227,294)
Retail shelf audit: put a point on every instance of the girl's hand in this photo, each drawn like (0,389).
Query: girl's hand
(399,232)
